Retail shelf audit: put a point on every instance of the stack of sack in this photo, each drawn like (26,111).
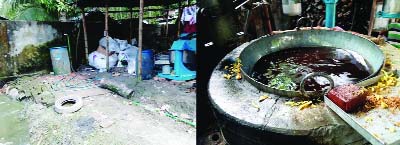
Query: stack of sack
(119,51)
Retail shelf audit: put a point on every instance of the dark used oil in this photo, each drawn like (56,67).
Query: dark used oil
(285,69)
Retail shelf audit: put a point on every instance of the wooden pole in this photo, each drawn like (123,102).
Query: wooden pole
(130,25)
(267,18)
(85,35)
(140,40)
(106,34)
(178,20)
(372,17)
(167,21)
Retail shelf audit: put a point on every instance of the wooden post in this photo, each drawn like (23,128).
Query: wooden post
(130,25)
(140,40)
(106,34)
(178,20)
(167,21)
(372,17)
(267,18)
(85,35)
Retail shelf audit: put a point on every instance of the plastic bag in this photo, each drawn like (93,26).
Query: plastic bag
(98,60)
(129,54)
(113,44)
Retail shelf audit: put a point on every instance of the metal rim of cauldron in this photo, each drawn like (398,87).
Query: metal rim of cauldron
(298,93)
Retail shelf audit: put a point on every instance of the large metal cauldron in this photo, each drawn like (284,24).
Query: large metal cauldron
(308,38)
(274,122)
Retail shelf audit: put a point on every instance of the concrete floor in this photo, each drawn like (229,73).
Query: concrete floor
(105,118)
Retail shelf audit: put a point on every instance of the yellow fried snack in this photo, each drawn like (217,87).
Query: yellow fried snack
(262,98)
(302,104)
(233,70)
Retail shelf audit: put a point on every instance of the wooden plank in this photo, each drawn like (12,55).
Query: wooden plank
(374,125)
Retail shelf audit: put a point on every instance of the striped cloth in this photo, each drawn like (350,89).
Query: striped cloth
(394,34)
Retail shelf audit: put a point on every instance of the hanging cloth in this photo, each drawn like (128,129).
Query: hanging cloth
(394,34)
(189,14)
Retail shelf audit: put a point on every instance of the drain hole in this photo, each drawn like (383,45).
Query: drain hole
(68,103)
(215,137)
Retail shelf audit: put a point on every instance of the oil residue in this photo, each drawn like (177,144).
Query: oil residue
(285,69)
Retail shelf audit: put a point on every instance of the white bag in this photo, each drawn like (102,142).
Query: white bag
(98,60)
(130,55)
(113,44)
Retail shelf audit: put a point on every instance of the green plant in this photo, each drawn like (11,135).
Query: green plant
(62,6)
(11,9)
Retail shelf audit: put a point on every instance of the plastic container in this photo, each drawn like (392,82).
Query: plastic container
(380,23)
(166,69)
(291,7)
(147,64)
(392,6)
(60,60)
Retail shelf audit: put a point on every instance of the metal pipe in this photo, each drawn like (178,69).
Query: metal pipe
(85,35)
(330,13)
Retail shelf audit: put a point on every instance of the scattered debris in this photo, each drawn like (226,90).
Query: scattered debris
(262,98)
(106,123)
(13,93)
(255,105)
(368,119)
(185,116)
(191,123)
(165,108)
(392,130)
(376,135)
(301,104)
(115,74)
(233,70)
(156,78)
(227,76)
(374,101)
(111,117)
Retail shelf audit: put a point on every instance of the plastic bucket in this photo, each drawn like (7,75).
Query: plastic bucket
(60,60)
(166,69)
(147,64)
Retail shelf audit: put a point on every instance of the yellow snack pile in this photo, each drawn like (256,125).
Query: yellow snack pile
(301,104)
(388,80)
(233,70)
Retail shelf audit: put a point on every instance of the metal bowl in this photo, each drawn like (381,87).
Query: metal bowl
(307,38)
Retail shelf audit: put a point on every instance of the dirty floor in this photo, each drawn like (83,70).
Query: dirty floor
(105,118)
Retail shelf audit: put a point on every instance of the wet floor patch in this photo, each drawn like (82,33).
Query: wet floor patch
(14,127)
